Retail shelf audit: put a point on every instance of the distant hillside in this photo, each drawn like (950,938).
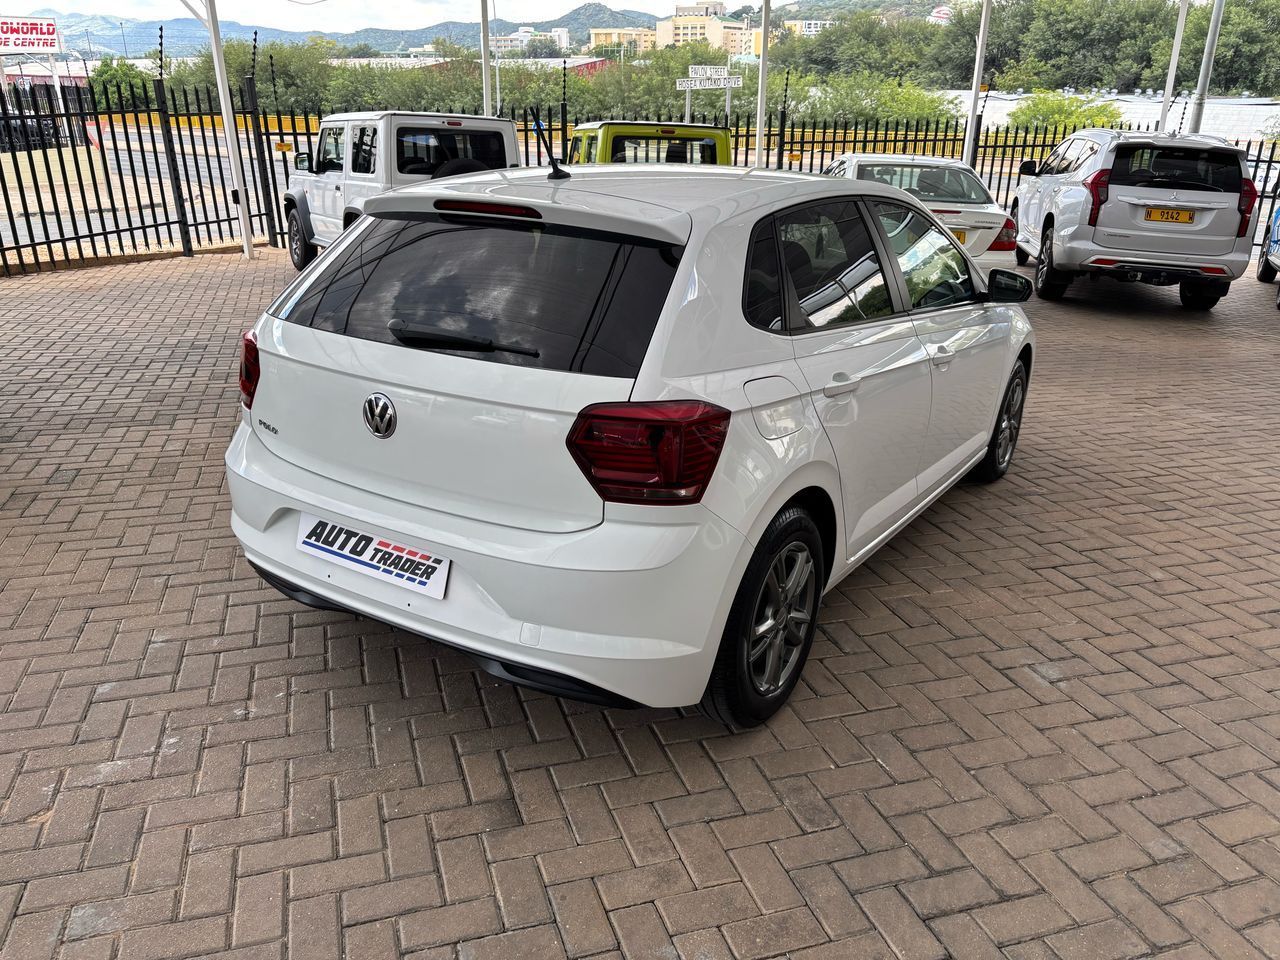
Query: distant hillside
(101,33)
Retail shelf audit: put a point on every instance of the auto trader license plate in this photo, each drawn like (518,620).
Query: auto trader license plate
(343,545)
(1170,215)
(961,236)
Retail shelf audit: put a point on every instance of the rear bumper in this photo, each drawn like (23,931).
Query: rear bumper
(993,260)
(1077,250)
(625,611)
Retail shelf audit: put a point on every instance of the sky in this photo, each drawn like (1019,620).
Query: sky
(346,15)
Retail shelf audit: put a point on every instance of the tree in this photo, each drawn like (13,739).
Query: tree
(116,80)
(360,51)
(541,48)
(1048,108)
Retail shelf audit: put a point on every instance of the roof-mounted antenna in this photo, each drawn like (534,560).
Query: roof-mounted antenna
(557,172)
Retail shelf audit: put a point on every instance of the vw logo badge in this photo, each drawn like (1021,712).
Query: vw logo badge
(380,415)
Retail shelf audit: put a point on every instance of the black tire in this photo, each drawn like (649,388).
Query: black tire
(301,252)
(1266,272)
(1008,426)
(1020,256)
(1202,294)
(748,685)
(1050,282)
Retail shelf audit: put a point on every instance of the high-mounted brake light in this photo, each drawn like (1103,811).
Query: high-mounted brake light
(1248,197)
(657,453)
(250,369)
(1007,238)
(490,209)
(1097,184)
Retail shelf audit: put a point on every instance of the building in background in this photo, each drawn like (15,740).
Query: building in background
(634,39)
(803,28)
(706,23)
(519,41)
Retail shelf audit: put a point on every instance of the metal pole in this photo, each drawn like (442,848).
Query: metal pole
(123,41)
(762,85)
(485,94)
(688,104)
(979,63)
(1206,66)
(1173,63)
(728,90)
(229,127)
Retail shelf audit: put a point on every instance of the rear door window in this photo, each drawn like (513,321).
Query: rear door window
(364,150)
(421,151)
(553,297)
(1169,167)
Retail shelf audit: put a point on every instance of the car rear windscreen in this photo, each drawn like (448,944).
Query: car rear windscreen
(931,184)
(548,296)
(1188,168)
(629,149)
(421,151)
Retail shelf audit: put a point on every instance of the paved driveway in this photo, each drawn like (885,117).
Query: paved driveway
(1041,723)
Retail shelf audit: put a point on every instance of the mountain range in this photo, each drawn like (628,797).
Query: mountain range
(98,34)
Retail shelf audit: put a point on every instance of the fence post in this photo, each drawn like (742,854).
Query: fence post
(782,133)
(260,150)
(175,175)
(972,159)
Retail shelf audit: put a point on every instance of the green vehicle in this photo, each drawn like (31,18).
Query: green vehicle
(614,141)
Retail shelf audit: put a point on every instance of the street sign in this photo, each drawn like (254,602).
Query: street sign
(707,83)
(28,35)
(708,71)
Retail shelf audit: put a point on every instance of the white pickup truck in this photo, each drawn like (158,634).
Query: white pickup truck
(328,189)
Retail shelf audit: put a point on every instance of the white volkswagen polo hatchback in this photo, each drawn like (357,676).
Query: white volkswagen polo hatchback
(615,435)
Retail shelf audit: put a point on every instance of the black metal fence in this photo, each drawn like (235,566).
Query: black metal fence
(107,171)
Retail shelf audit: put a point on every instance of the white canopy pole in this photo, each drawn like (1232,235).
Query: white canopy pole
(1173,63)
(486,95)
(229,135)
(979,63)
(762,92)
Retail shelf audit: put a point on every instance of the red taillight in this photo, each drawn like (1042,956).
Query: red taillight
(1248,197)
(249,368)
(1007,238)
(662,452)
(1097,184)
(484,206)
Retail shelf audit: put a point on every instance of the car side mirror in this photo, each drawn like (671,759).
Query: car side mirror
(1028,168)
(1005,286)
(302,161)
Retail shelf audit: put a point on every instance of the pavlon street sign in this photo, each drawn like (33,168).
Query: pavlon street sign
(708,71)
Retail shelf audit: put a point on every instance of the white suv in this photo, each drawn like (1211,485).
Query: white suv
(360,155)
(615,435)
(1147,207)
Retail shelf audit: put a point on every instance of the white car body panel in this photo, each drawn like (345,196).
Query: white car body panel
(631,599)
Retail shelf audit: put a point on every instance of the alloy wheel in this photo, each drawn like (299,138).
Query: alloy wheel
(783,611)
(1010,423)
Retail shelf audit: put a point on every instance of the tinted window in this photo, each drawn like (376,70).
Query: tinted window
(834,269)
(1056,161)
(662,150)
(420,152)
(1139,165)
(1087,152)
(330,155)
(582,301)
(948,184)
(936,272)
(364,150)
(762,299)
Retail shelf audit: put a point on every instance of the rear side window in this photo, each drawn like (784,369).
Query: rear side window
(1188,168)
(553,297)
(762,296)
(662,150)
(421,151)
(364,150)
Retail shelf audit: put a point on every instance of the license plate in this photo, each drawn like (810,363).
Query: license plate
(961,235)
(1170,215)
(403,564)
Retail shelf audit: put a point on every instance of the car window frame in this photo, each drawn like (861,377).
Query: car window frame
(793,316)
(355,131)
(1056,156)
(340,129)
(979,295)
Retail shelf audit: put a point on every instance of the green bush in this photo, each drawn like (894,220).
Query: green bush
(1048,108)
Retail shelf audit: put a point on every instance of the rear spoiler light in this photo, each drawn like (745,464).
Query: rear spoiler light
(488,208)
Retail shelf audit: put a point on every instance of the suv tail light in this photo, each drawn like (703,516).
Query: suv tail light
(1248,197)
(1007,238)
(1097,183)
(249,368)
(662,452)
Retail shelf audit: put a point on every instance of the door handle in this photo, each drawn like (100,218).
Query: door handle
(841,383)
(338,187)
(942,354)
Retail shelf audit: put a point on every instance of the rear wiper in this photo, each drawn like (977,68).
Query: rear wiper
(412,334)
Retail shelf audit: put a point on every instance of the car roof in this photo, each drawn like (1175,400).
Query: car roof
(413,114)
(913,159)
(1175,139)
(659,201)
(646,124)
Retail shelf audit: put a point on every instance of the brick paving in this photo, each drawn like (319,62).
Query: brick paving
(1041,723)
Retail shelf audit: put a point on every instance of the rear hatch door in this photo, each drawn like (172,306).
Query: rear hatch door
(487,336)
(1167,198)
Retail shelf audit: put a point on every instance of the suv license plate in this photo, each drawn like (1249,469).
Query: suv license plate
(1170,215)
(343,545)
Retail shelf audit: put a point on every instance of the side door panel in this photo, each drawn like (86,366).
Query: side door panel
(324,193)
(365,177)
